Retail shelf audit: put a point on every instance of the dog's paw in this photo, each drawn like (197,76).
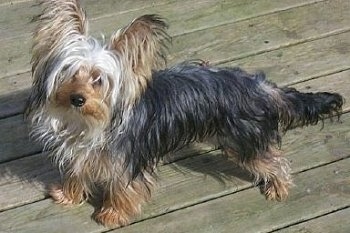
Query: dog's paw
(275,190)
(110,217)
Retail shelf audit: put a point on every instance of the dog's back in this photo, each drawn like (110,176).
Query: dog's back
(243,112)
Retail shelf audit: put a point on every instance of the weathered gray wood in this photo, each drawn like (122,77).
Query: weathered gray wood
(282,65)
(337,222)
(292,64)
(339,82)
(13,103)
(14,139)
(33,174)
(318,191)
(292,44)
(182,184)
(15,57)
(16,19)
(24,180)
(261,34)
(12,2)
(123,11)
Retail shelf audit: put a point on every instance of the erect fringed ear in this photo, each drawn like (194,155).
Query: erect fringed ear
(141,47)
(60,23)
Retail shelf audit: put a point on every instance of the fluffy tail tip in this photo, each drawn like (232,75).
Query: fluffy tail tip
(332,103)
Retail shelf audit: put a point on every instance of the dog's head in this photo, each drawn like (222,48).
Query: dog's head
(80,82)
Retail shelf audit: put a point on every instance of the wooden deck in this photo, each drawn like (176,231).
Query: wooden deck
(302,43)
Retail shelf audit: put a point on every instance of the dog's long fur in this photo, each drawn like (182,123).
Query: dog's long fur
(109,113)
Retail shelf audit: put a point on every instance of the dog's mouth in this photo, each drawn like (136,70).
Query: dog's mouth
(74,124)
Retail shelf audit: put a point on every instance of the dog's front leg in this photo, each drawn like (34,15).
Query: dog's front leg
(70,192)
(123,200)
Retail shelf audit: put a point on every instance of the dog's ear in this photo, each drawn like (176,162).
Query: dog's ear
(141,46)
(60,23)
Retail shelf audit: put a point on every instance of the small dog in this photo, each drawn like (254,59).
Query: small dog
(109,112)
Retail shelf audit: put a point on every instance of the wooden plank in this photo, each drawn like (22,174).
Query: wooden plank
(185,183)
(21,14)
(338,82)
(337,222)
(13,103)
(15,55)
(24,181)
(261,34)
(16,19)
(207,14)
(292,64)
(12,2)
(33,174)
(14,139)
(319,191)
(285,65)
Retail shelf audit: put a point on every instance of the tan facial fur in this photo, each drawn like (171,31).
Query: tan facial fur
(86,82)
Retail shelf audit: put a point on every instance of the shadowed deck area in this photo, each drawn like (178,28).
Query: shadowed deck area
(299,43)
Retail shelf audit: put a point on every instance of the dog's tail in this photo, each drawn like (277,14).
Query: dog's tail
(300,109)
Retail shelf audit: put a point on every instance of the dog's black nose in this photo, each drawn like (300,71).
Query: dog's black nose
(77,100)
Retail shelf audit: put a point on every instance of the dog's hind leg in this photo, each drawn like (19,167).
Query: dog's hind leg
(271,172)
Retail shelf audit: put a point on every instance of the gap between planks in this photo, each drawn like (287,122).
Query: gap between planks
(231,22)
(203,207)
(291,44)
(319,217)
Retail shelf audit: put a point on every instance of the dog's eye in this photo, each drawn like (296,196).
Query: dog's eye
(97,81)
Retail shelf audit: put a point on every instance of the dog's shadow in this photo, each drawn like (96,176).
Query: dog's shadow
(212,162)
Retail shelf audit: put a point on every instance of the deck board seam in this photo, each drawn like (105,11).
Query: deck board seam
(322,75)
(291,44)
(15,2)
(309,219)
(277,11)
(251,186)
(322,165)
(228,60)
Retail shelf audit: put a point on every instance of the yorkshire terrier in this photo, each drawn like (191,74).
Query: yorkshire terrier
(109,111)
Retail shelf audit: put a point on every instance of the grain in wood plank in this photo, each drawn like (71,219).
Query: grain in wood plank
(257,35)
(12,2)
(14,103)
(282,66)
(326,140)
(15,54)
(338,82)
(14,139)
(337,222)
(303,61)
(190,181)
(25,180)
(17,19)
(45,216)
(34,173)
(318,191)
